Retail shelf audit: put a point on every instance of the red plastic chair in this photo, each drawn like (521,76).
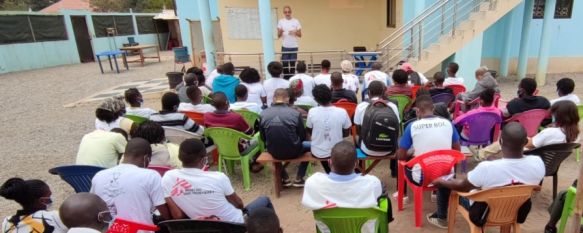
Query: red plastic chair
(530,120)
(126,226)
(457,88)
(195,116)
(160,169)
(350,109)
(434,164)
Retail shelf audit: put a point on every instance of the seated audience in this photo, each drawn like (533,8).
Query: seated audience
(109,113)
(526,99)
(222,117)
(190,80)
(206,90)
(226,82)
(292,101)
(297,87)
(327,124)
(324,76)
(213,75)
(195,105)
(34,196)
(101,148)
(452,79)
(338,91)
(164,154)
(131,190)
(342,187)
(169,116)
(307,80)
(276,81)
(414,78)
(565,87)
(485,81)
(252,81)
(438,87)
(196,194)
(243,100)
(263,220)
(350,80)
(282,130)
(375,74)
(400,86)
(515,168)
(85,213)
(486,105)
(565,127)
(135,100)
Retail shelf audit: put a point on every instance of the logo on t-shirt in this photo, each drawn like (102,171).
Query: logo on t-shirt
(180,187)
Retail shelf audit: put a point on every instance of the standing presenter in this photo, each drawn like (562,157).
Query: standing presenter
(290,30)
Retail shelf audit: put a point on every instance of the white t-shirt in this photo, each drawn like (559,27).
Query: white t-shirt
(101,148)
(200,108)
(453,81)
(201,193)
(422,79)
(376,75)
(211,77)
(129,191)
(254,92)
(528,170)
(102,125)
(271,85)
(548,136)
(246,105)
(323,79)
(327,124)
(359,117)
(359,192)
(306,100)
(38,221)
(307,81)
(571,97)
(350,82)
(141,112)
(289,41)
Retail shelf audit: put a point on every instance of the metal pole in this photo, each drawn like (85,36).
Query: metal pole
(442,15)
(312,64)
(453,18)
(420,39)
(545,43)
(525,38)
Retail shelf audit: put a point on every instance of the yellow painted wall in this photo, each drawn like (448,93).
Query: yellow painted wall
(326,24)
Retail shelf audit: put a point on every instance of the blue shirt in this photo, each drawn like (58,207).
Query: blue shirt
(226,84)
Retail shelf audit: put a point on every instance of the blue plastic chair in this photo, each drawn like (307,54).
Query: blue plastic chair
(180,56)
(78,176)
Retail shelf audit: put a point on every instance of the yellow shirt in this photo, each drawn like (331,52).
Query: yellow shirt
(101,148)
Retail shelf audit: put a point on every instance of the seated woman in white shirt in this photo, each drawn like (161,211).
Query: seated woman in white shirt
(109,113)
(195,105)
(564,129)
(135,100)
(251,79)
(164,154)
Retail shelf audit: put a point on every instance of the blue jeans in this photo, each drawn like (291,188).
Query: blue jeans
(260,202)
(288,61)
(442,196)
(306,146)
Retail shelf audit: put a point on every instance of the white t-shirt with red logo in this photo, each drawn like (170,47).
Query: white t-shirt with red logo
(201,193)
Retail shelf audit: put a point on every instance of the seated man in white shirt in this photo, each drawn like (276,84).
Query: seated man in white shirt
(307,80)
(513,168)
(342,187)
(565,87)
(194,193)
(452,79)
(85,213)
(375,74)
(131,190)
(324,77)
(241,92)
(135,100)
(297,86)
(195,105)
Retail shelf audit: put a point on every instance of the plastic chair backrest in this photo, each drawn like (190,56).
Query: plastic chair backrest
(195,116)
(78,176)
(503,202)
(349,220)
(136,119)
(445,98)
(177,136)
(226,140)
(160,169)
(580,109)
(402,102)
(553,155)
(435,164)
(181,55)
(414,90)
(207,100)
(250,117)
(530,120)
(131,40)
(348,106)
(304,107)
(567,208)
(457,88)
(125,226)
(203,226)
(480,125)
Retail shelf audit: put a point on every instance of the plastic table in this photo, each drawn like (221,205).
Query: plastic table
(113,54)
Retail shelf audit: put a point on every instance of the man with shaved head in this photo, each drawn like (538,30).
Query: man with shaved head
(222,117)
(485,81)
(131,190)
(342,187)
(85,212)
(513,168)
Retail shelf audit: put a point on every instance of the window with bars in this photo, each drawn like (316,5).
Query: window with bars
(563,9)
(16,29)
(123,25)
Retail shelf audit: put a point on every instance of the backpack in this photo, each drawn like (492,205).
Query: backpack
(415,78)
(380,127)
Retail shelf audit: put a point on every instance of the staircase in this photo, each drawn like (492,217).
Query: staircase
(440,31)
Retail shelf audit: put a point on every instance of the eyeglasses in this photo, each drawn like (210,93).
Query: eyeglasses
(105,217)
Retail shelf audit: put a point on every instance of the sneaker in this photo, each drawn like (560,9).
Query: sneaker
(286,182)
(438,222)
(550,229)
(405,198)
(433,197)
(299,183)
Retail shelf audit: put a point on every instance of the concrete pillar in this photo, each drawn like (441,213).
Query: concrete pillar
(545,43)
(524,38)
(266,34)
(469,58)
(206,25)
(505,57)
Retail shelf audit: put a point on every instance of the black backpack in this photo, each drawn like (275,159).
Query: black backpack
(380,127)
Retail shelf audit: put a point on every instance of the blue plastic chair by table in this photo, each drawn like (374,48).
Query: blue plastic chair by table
(78,176)
(180,56)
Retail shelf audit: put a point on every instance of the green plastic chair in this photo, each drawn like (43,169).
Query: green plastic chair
(402,102)
(351,220)
(304,107)
(227,142)
(207,100)
(568,208)
(578,150)
(250,117)
(136,119)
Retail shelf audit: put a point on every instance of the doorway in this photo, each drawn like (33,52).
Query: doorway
(83,38)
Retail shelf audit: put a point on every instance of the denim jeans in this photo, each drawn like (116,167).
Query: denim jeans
(260,202)
(288,60)
(306,145)
(442,196)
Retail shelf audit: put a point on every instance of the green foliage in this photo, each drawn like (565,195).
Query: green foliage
(23,5)
(135,5)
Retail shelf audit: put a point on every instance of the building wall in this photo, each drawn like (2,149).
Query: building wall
(187,10)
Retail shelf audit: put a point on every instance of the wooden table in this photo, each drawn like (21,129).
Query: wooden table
(266,157)
(140,50)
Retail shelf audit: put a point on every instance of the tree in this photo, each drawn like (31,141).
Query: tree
(24,5)
(135,5)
